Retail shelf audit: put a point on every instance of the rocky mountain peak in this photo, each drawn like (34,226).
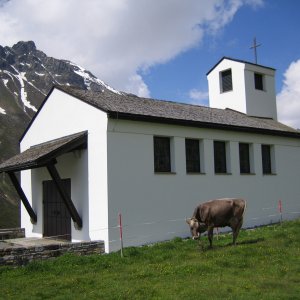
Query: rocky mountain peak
(27,74)
(24,47)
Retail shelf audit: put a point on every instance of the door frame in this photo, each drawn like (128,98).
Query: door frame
(56,216)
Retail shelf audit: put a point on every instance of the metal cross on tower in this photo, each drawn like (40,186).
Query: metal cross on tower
(254,47)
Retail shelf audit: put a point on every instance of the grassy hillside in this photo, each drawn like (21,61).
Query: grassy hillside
(9,205)
(264,265)
(9,215)
(12,126)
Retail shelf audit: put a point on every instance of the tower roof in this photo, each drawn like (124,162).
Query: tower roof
(237,60)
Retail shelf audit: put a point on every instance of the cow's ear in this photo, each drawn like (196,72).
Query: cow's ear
(188,221)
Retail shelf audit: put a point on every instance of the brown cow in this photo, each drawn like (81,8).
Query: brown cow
(217,213)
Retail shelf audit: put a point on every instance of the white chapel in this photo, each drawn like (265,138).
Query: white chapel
(88,156)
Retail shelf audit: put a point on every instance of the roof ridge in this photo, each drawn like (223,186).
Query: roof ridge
(62,138)
(134,97)
(240,61)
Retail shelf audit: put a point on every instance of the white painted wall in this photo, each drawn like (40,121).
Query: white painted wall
(234,99)
(75,166)
(63,115)
(154,206)
(243,97)
(260,103)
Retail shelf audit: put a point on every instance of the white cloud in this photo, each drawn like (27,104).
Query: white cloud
(288,100)
(136,83)
(115,39)
(198,97)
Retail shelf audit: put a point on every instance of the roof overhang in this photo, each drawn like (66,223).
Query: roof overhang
(198,124)
(42,154)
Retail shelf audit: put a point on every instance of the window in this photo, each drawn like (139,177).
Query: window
(192,156)
(226,81)
(162,154)
(266,159)
(258,81)
(244,158)
(220,157)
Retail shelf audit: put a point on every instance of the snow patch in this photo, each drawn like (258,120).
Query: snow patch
(21,77)
(5,81)
(26,64)
(9,74)
(49,73)
(2,111)
(30,83)
(39,74)
(88,79)
(7,52)
(43,65)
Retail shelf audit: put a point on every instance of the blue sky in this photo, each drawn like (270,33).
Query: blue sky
(164,48)
(275,25)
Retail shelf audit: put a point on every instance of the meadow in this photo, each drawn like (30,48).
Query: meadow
(265,264)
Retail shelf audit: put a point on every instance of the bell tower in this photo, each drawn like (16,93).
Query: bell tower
(243,86)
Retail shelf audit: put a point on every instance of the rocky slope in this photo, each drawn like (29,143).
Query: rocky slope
(26,76)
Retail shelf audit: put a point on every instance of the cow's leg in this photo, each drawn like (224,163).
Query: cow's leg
(236,229)
(210,235)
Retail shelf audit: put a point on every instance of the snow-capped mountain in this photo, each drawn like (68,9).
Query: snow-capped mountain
(26,76)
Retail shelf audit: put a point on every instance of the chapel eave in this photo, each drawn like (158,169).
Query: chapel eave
(208,125)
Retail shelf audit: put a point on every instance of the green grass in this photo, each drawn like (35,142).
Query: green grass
(264,265)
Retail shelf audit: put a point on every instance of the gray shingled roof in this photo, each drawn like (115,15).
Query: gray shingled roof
(133,107)
(129,106)
(41,154)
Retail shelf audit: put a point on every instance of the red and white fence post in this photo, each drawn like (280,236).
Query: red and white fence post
(121,233)
(280,210)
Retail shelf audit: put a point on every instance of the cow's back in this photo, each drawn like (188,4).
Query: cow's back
(220,212)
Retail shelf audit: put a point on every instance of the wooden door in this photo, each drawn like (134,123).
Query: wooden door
(57,219)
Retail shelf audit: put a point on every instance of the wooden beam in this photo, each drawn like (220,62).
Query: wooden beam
(65,197)
(23,197)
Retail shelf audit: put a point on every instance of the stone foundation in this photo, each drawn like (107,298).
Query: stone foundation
(17,256)
(11,233)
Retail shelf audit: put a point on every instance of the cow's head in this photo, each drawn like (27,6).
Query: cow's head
(196,228)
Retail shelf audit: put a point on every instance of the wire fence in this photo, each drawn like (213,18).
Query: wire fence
(267,219)
(129,232)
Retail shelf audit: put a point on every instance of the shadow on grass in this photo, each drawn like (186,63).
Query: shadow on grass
(252,241)
(204,247)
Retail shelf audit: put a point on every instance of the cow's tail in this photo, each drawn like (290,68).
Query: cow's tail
(244,208)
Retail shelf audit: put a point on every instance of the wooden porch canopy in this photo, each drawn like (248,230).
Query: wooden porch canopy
(44,155)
